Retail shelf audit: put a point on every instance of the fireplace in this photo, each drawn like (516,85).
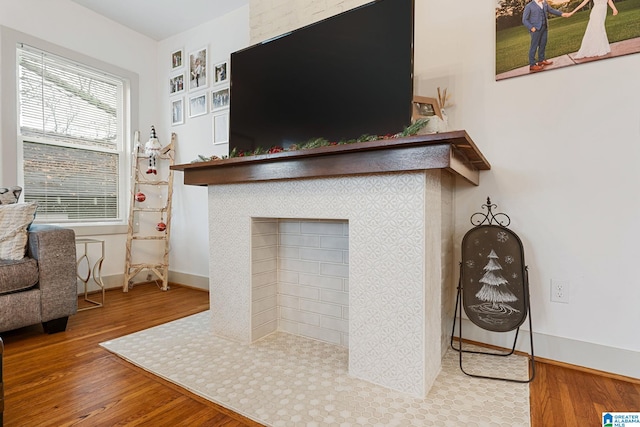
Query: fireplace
(398,211)
(300,278)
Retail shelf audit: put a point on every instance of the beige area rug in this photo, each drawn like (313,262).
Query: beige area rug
(287,380)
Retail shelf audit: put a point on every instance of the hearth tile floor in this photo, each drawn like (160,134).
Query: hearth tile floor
(287,380)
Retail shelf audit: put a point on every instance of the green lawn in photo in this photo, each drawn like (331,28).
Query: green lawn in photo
(565,35)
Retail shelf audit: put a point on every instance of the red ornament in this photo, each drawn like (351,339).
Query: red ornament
(161,226)
(275,149)
(140,197)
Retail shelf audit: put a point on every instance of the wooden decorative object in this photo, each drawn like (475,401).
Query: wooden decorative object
(425,107)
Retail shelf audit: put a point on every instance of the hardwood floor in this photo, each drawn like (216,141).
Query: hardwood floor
(565,396)
(67,379)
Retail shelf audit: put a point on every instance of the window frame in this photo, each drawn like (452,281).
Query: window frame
(119,149)
(11,142)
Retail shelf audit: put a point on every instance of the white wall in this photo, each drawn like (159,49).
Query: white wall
(189,250)
(563,146)
(70,26)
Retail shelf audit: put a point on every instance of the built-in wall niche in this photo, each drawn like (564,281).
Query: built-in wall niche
(300,278)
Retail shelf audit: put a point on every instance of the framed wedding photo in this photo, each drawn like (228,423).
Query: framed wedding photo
(176,84)
(424,106)
(219,99)
(198,105)
(176,59)
(177,111)
(198,69)
(221,73)
(578,32)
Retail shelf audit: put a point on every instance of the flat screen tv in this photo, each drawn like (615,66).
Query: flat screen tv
(338,79)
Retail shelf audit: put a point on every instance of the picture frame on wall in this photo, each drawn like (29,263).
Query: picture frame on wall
(177,111)
(587,32)
(221,128)
(198,105)
(177,59)
(198,69)
(424,106)
(220,99)
(221,73)
(176,84)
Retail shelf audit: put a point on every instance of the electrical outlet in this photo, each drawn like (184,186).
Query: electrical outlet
(560,291)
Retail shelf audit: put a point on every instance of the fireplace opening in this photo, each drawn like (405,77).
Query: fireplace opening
(300,278)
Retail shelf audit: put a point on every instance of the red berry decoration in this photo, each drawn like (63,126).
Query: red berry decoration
(161,226)
(140,197)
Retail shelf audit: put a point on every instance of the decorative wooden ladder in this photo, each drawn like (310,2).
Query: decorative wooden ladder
(136,237)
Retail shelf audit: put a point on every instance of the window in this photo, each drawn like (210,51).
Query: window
(71,121)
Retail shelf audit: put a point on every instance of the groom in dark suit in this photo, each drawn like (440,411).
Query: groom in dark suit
(536,19)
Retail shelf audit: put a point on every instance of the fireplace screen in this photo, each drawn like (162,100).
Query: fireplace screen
(493,278)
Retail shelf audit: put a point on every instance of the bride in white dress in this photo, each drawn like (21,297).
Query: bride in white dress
(595,41)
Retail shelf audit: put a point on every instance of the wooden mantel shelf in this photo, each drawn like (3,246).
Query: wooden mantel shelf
(453,151)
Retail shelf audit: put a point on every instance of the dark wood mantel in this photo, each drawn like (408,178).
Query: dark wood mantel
(453,151)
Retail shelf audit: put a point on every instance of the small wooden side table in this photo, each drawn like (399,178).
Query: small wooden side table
(94,271)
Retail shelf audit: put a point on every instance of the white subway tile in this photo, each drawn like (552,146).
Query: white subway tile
(299,266)
(289,301)
(265,252)
(321,308)
(337,270)
(320,255)
(321,334)
(268,303)
(263,279)
(287,326)
(322,228)
(300,316)
(334,324)
(299,240)
(289,226)
(264,317)
(334,297)
(260,292)
(262,240)
(334,242)
(289,252)
(263,330)
(258,267)
(326,282)
(267,226)
(312,260)
(287,276)
(299,291)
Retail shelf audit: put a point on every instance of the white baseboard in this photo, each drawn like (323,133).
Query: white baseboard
(580,353)
(117,280)
(190,280)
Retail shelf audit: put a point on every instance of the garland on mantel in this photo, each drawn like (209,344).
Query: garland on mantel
(410,130)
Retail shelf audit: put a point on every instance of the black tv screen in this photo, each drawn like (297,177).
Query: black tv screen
(338,79)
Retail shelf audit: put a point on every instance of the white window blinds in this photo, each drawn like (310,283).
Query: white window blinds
(70,121)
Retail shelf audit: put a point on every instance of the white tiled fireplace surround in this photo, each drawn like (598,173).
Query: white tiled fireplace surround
(362,261)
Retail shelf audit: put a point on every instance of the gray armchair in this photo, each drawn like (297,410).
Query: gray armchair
(51,263)
(41,287)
